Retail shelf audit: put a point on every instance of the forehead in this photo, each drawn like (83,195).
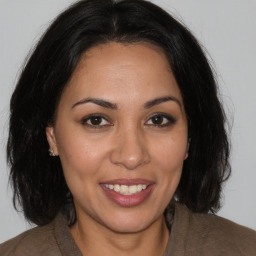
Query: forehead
(117,71)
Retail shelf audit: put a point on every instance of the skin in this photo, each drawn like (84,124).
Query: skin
(126,143)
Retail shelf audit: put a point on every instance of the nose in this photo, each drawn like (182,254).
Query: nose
(130,150)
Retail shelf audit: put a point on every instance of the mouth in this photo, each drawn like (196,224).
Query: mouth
(127,192)
(125,189)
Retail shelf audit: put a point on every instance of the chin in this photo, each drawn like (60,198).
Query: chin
(128,228)
(130,224)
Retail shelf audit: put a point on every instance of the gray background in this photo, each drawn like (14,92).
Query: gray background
(226,29)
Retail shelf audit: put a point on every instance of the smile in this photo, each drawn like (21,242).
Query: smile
(126,190)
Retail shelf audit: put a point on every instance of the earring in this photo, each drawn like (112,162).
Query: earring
(188,145)
(51,153)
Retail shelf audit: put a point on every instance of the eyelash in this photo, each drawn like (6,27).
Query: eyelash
(90,117)
(168,122)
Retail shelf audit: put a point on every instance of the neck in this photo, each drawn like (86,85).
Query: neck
(94,239)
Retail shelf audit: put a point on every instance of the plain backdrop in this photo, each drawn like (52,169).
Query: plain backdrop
(227,31)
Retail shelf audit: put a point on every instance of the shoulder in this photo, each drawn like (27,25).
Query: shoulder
(219,225)
(211,232)
(36,241)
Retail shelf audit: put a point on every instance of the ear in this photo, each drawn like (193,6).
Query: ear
(186,156)
(50,135)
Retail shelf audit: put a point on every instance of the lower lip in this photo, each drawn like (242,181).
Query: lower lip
(128,200)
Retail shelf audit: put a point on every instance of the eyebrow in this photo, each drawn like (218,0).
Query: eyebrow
(100,102)
(109,105)
(160,100)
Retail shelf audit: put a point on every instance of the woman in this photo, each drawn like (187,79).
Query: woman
(112,141)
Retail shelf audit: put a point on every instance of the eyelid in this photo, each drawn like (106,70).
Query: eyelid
(170,118)
(88,117)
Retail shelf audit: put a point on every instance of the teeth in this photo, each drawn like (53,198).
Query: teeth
(139,187)
(116,188)
(126,190)
(133,189)
(123,189)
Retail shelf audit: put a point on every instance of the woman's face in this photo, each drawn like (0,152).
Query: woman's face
(121,135)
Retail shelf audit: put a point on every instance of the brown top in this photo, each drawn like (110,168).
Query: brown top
(191,235)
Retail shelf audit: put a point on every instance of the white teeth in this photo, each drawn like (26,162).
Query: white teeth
(132,189)
(126,190)
(123,189)
(139,187)
(116,188)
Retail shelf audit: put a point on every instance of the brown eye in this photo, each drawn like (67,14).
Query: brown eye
(157,120)
(95,121)
(161,120)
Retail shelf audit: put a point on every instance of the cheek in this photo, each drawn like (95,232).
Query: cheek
(168,157)
(81,159)
(80,154)
(170,153)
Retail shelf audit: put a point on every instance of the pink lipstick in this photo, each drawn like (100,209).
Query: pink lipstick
(127,192)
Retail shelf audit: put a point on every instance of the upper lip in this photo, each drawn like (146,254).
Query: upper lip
(128,182)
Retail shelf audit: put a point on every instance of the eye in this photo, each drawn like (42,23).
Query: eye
(160,120)
(95,121)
